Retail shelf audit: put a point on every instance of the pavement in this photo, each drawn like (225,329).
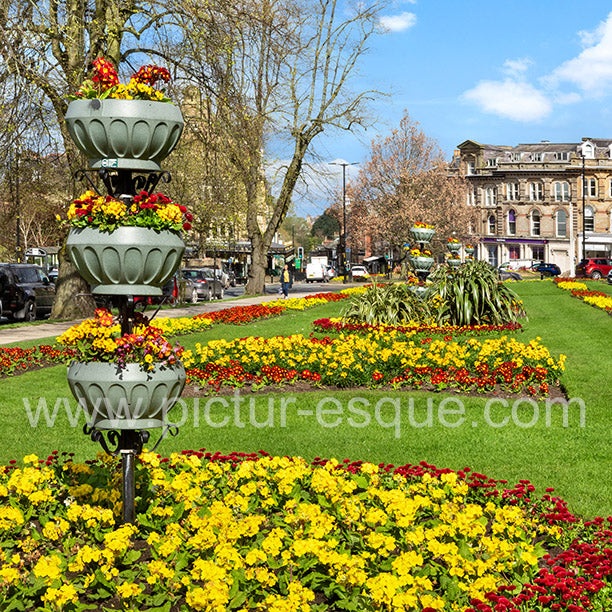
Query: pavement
(29,332)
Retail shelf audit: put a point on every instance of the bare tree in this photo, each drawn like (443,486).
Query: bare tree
(406,180)
(279,69)
(49,45)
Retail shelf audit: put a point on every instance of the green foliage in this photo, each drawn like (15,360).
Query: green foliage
(387,305)
(473,295)
(325,226)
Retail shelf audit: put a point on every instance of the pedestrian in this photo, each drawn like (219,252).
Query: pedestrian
(286,281)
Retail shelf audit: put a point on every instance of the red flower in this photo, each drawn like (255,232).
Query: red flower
(186,226)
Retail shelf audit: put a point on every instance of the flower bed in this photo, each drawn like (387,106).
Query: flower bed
(597,299)
(17,360)
(338,325)
(376,360)
(253,532)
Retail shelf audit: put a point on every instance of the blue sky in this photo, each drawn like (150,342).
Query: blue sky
(496,71)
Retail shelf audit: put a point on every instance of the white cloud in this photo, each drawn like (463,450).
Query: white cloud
(398,23)
(591,71)
(513,99)
(517,66)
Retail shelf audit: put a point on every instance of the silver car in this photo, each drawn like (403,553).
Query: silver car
(204,282)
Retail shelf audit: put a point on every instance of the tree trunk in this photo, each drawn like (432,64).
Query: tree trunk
(73,299)
(257,270)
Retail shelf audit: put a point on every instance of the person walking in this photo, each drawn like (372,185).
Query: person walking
(286,281)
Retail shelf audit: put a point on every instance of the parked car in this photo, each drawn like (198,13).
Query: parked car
(610,277)
(206,285)
(223,277)
(595,268)
(508,274)
(25,291)
(359,273)
(547,270)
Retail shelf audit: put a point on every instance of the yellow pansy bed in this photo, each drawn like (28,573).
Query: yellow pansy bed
(253,532)
(597,299)
(379,357)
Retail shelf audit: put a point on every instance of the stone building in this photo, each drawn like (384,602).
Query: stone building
(531,204)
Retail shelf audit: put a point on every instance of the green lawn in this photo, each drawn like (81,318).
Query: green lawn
(386,426)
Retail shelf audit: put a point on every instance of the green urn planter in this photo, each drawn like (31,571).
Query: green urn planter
(469,249)
(422,264)
(128,134)
(422,234)
(453,247)
(126,261)
(419,290)
(126,398)
(453,263)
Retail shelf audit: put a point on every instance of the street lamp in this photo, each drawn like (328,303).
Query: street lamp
(344,232)
(583,211)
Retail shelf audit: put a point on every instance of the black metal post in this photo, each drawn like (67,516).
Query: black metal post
(18,205)
(344,228)
(583,211)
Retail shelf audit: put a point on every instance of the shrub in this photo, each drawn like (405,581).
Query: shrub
(473,295)
(387,304)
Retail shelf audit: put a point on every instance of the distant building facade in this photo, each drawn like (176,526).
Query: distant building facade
(532,203)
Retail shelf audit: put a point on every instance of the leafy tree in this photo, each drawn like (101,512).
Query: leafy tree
(325,226)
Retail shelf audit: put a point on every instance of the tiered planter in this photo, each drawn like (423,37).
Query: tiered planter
(422,234)
(422,264)
(126,261)
(127,134)
(469,250)
(126,398)
(453,262)
(453,247)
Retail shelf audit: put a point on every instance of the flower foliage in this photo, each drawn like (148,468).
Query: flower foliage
(416,252)
(104,83)
(378,357)
(155,211)
(100,339)
(253,532)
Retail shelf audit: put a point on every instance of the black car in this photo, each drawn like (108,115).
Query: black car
(25,291)
(508,274)
(547,269)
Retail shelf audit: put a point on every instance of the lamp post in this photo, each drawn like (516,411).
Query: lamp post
(344,232)
(583,210)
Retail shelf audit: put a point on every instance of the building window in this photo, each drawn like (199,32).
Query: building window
(562,155)
(536,157)
(470,168)
(561,223)
(588,150)
(492,163)
(492,254)
(535,223)
(536,192)
(490,196)
(589,219)
(512,189)
(492,225)
(514,251)
(591,187)
(515,157)
(561,191)
(537,253)
(511,223)
(610,188)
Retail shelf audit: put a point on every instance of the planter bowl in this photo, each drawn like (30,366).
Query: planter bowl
(126,398)
(469,250)
(453,263)
(422,264)
(126,261)
(422,234)
(453,247)
(125,134)
(419,290)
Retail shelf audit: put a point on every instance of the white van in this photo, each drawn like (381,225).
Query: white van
(316,273)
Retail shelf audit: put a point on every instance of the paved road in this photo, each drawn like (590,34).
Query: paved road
(234,297)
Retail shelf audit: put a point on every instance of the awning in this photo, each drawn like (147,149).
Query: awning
(373,258)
